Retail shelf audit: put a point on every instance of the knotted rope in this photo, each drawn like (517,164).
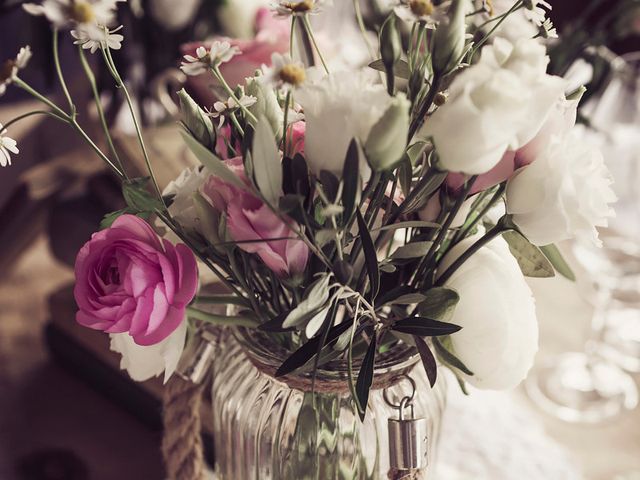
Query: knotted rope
(182,441)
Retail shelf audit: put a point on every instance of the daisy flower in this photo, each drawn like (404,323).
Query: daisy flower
(289,8)
(7,145)
(547,30)
(420,11)
(220,109)
(94,37)
(535,13)
(73,13)
(9,69)
(283,72)
(220,52)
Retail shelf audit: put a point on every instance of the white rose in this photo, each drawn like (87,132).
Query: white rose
(499,336)
(182,208)
(338,108)
(565,193)
(500,103)
(145,362)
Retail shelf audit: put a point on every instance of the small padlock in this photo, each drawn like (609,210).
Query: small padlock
(407,440)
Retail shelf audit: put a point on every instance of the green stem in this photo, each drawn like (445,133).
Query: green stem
(239,321)
(96,149)
(503,17)
(496,196)
(363,29)
(291,35)
(481,242)
(216,72)
(220,299)
(307,26)
(287,101)
(23,85)
(424,109)
(56,60)
(120,83)
(96,96)
(29,114)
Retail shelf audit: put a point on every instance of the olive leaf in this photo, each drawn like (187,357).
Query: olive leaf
(351,180)
(439,303)
(267,169)
(428,360)
(411,250)
(138,198)
(425,327)
(370,257)
(444,349)
(557,260)
(400,68)
(531,260)
(316,297)
(365,377)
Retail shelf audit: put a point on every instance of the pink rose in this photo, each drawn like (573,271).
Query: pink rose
(127,280)
(272,35)
(248,218)
(296,139)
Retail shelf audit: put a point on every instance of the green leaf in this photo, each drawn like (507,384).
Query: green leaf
(439,303)
(275,324)
(444,349)
(351,180)
(425,327)
(365,377)
(405,176)
(307,351)
(532,261)
(411,250)
(109,218)
(557,260)
(295,176)
(216,166)
(370,257)
(138,198)
(400,68)
(316,297)
(421,193)
(428,360)
(267,168)
(247,320)
(402,295)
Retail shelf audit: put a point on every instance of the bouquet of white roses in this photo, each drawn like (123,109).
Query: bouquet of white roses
(347,212)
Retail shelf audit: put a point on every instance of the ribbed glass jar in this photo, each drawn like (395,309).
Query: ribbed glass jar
(267,429)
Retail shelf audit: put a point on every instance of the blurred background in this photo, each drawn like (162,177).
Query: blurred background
(68,412)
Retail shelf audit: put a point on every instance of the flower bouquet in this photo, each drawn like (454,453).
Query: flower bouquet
(362,223)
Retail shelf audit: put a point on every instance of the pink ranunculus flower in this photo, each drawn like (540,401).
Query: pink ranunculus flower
(128,280)
(248,218)
(272,36)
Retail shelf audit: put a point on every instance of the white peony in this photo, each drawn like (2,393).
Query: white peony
(499,336)
(337,108)
(182,208)
(145,362)
(496,105)
(565,193)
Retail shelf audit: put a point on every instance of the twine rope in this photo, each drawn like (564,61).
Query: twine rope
(181,441)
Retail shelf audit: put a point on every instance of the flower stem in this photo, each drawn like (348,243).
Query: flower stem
(503,17)
(499,229)
(307,27)
(96,97)
(239,321)
(496,196)
(227,88)
(120,83)
(56,60)
(29,114)
(424,109)
(23,85)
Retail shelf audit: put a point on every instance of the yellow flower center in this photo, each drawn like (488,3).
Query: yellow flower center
(488,5)
(292,74)
(421,8)
(6,70)
(299,7)
(82,12)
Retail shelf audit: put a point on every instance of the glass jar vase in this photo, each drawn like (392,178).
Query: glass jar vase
(266,428)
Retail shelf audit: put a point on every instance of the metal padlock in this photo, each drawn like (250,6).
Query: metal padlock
(407,440)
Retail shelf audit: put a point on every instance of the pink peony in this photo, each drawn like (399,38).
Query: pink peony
(128,280)
(248,218)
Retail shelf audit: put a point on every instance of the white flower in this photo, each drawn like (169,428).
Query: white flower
(497,104)
(145,362)
(499,336)
(93,37)
(220,52)
(547,30)
(523,23)
(182,208)
(287,8)
(220,109)
(420,11)
(70,13)
(565,193)
(238,17)
(283,72)
(338,108)
(6,145)
(10,68)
